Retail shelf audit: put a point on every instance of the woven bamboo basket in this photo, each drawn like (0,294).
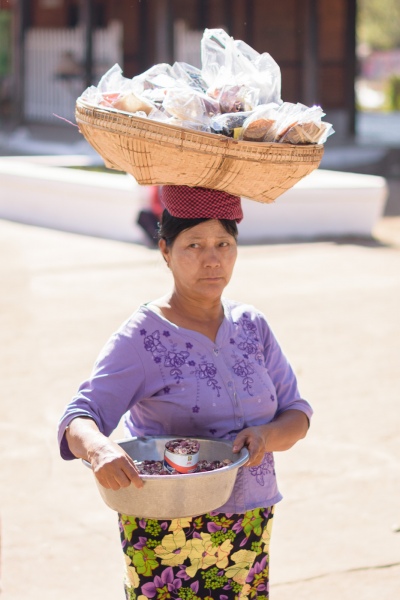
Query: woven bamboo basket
(161,154)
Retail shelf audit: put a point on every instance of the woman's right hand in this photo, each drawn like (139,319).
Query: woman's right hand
(112,466)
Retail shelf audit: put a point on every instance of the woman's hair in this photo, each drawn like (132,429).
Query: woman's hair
(170,227)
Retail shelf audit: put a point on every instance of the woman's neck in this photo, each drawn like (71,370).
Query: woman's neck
(204,316)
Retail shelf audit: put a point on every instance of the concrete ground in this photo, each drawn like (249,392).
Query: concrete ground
(334,306)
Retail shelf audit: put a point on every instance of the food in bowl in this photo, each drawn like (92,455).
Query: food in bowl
(157,467)
(183,446)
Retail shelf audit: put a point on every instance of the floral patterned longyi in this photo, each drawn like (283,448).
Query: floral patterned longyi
(210,557)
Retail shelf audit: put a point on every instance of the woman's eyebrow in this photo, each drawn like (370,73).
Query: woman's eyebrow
(202,237)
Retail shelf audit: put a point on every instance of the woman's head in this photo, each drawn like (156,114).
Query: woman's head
(197,238)
(200,253)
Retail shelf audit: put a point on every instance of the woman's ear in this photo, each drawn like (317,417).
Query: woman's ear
(162,244)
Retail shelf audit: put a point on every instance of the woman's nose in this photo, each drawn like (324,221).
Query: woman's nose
(212,258)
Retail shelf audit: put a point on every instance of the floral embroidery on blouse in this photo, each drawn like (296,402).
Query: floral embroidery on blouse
(152,344)
(207,370)
(171,359)
(244,369)
(175,359)
(265,468)
(250,347)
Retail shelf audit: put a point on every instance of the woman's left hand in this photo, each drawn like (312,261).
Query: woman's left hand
(280,434)
(254,439)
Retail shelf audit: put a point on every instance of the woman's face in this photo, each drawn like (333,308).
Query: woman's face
(201,260)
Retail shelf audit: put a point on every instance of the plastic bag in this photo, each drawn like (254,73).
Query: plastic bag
(229,124)
(111,86)
(113,81)
(303,125)
(159,76)
(288,115)
(261,125)
(237,98)
(189,75)
(226,61)
(160,115)
(187,104)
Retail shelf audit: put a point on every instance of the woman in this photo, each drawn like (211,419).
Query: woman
(193,363)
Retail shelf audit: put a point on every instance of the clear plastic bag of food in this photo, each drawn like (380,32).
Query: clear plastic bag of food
(214,55)
(237,98)
(159,76)
(114,81)
(189,75)
(226,61)
(110,88)
(91,95)
(287,115)
(151,85)
(261,125)
(189,105)
(304,125)
(229,124)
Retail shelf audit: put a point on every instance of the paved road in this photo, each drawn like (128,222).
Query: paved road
(334,306)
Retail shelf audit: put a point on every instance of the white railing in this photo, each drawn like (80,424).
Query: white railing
(54,72)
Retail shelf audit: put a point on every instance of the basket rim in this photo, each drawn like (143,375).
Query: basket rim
(209,138)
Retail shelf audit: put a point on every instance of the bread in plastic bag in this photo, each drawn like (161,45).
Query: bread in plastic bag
(303,125)
(261,125)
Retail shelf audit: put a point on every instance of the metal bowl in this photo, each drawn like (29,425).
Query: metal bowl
(175,496)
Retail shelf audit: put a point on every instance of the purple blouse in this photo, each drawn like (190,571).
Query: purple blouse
(167,380)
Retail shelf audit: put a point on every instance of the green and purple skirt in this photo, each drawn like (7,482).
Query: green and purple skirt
(213,556)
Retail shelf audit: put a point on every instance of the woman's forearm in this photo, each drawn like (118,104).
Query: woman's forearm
(83,436)
(278,435)
(112,466)
(285,430)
